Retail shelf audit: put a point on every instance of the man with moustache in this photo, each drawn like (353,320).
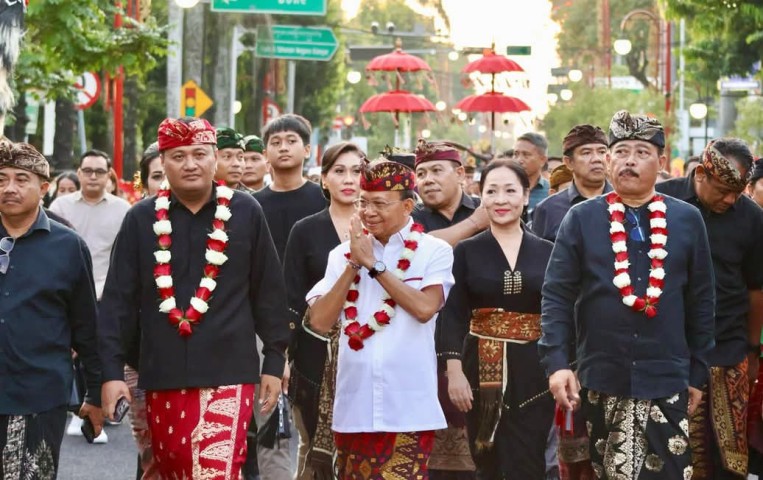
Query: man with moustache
(630,284)
(386,287)
(48,309)
(196,273)
(734,227)
(586,155)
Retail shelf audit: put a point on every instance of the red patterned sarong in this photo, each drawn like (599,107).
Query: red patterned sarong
(380,455)
(200,433)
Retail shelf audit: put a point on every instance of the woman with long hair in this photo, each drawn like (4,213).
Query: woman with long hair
(489,333)
(313,371)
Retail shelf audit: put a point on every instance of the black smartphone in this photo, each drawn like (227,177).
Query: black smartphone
(88,431)
(121,409)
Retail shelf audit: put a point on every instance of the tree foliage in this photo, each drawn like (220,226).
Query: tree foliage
(725,36)
(66,38)
(596,107)
(749,123)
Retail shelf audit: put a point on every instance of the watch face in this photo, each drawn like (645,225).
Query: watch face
(380,267)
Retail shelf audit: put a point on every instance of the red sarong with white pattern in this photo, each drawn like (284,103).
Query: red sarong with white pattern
(383,456)
(200,433)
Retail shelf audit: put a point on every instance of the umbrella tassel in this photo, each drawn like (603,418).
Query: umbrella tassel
(389,82)
(363,119)
(394,119)
(371,80)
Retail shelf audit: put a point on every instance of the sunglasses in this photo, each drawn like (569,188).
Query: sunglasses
(637,232)
(6,245)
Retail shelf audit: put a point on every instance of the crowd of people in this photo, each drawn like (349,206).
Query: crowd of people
(572,318)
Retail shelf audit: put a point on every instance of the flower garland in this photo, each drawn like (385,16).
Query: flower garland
(381,318)
(658,236)
(215,256)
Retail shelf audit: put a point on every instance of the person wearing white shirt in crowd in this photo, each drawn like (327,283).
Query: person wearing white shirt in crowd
(386,285)
(95,214)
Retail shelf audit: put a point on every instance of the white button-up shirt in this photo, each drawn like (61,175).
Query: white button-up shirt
(98,224)
(390,385)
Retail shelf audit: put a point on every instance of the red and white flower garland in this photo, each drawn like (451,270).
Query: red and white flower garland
(381,318)
(658,236)
(215,256)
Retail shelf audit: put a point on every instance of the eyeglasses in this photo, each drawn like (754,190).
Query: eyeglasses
(6,245)
(88,172)
(637,233)
(377,206)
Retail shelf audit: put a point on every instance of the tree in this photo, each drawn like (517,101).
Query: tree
(596,107)
(581,40)
(65,39)
(725,37)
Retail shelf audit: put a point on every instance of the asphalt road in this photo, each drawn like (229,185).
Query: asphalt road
(115,460)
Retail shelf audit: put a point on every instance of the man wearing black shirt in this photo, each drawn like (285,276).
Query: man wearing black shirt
(734,228)
(630,280)
(290,197)
(47,309)
(586,155)
(198,354)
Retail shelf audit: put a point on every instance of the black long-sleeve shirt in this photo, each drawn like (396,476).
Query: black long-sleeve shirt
(737,263)
(548,214)
(250,298)
(47,308)
(619,351)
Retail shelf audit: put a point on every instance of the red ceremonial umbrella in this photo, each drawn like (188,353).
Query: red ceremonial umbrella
(397,101)
(398,61)
(492,63)
(492,102)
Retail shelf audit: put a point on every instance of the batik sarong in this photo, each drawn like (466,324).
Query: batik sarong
(200,433)
(632,439)
(719,425)
(31,444)
(383,456)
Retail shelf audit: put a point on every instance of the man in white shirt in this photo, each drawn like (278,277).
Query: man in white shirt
(95,214)
(386,285)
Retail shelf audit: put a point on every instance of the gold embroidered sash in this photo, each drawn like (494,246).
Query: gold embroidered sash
(493,327)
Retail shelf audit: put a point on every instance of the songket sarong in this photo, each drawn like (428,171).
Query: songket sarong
(31,444)
(382,455)
(574,459)
(513,411)
(632,439)
(139,423)
(719,425)
(200,433)
(451,458)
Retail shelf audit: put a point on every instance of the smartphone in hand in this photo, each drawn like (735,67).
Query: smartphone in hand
(88,431)
(121,409)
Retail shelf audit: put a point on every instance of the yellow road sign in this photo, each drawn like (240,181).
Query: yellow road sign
(193,101)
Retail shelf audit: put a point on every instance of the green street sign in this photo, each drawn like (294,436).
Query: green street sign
(281,7)
(296,43)
(519,50)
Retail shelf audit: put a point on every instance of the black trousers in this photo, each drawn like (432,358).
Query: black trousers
(31,444)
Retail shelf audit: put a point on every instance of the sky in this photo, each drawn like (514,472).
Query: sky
(479,23)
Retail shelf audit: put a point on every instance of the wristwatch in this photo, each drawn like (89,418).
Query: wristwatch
(377,268)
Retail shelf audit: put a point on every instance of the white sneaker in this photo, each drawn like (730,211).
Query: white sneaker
(102,438)
(74,428)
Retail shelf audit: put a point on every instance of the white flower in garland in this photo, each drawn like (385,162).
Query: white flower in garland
(222,213)
(208,283)
(200,305)
(224,192)
(167,305)
(219,235)
(161,203)
(162,256)
(215,258)
(162,227)
(164,281)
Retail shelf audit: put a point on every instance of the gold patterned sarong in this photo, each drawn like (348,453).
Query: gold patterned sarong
(720,422)
(493,327)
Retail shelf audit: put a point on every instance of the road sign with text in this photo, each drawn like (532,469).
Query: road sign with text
(296,43)
(281,7)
